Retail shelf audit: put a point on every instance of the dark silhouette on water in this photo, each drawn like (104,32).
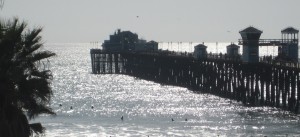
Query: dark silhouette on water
(128,41)
(71,107)
(92,107)
(122,118)
(247,78)
(60,105)
(172,119)
(186,119)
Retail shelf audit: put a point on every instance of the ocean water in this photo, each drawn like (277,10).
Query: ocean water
(147,107)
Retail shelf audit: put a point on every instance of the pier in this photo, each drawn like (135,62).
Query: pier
(248,78)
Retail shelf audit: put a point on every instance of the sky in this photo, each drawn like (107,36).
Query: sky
(66,21)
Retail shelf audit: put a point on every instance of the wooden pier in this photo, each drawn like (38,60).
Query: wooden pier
(264,83)
(253,80)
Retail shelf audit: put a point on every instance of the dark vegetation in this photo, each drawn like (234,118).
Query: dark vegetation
(25,90)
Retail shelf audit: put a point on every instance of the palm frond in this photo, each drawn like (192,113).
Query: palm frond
(41,55)
(26,52)
(39,109)
(15,29)
(37,128)
(45,74)
(32,37)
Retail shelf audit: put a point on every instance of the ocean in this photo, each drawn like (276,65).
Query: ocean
(99,101)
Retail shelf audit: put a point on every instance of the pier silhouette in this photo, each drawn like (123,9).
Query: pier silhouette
(253,80)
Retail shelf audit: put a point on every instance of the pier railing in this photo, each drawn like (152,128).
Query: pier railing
(273,60)
(270,42)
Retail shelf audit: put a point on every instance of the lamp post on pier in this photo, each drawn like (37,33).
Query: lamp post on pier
(217,47)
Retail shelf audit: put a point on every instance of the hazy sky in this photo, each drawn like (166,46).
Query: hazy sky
(160,20)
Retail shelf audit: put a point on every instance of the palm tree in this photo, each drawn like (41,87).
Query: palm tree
(25,90)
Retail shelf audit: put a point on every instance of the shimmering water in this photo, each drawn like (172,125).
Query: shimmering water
(147,107)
